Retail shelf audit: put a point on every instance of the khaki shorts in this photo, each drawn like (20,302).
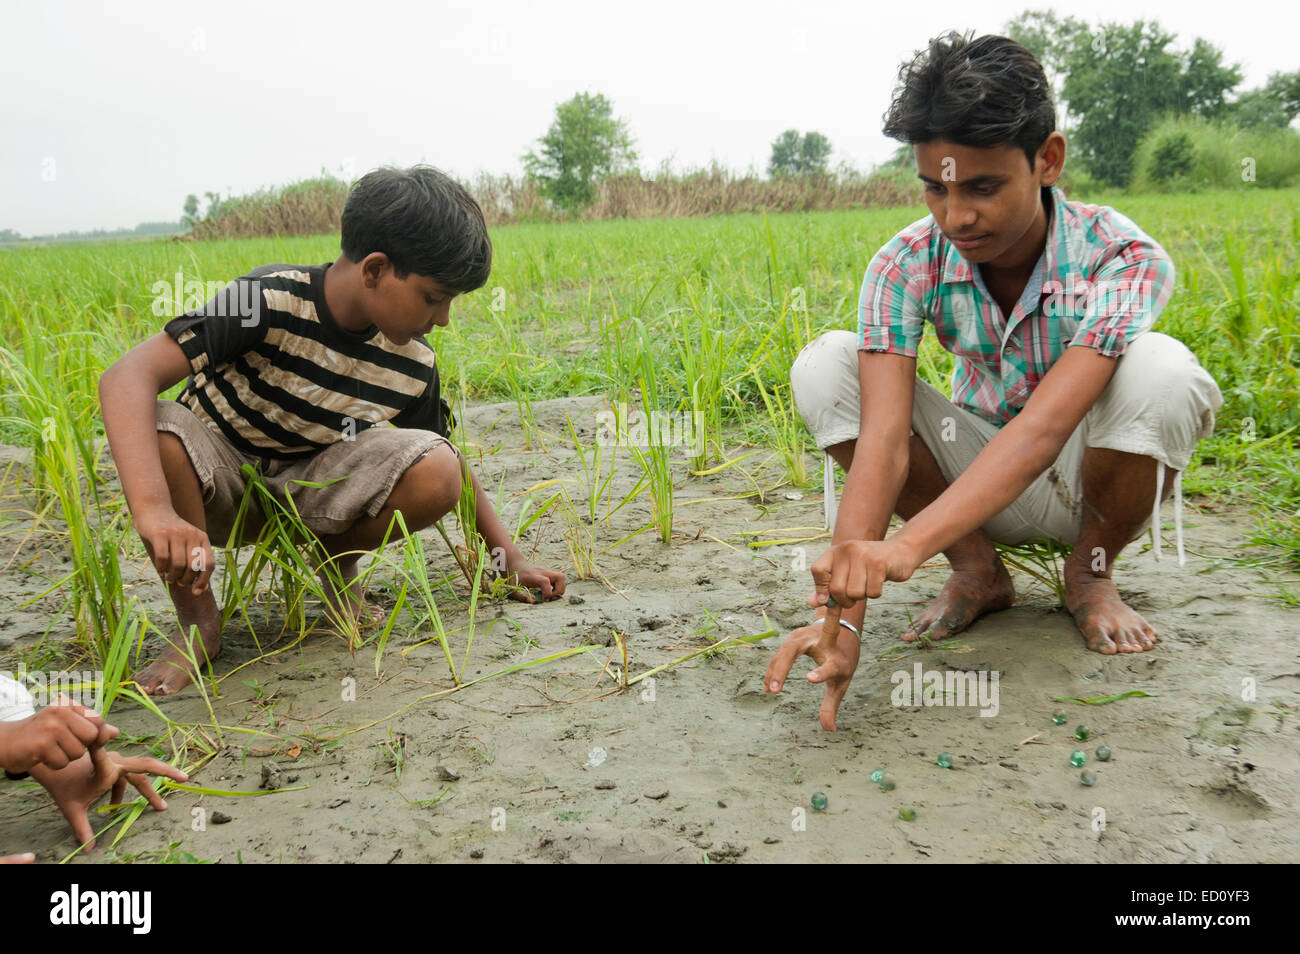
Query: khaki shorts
(1159,403)
(371,465)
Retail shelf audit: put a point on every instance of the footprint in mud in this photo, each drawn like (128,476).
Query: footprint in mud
(1225,726)
(1232,800)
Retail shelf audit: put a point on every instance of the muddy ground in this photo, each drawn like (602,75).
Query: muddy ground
(552,764)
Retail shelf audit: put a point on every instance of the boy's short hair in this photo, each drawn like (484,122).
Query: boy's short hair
(982,92)
(424,221)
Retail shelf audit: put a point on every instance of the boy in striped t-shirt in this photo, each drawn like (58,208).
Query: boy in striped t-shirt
(300,371)
(1067,415)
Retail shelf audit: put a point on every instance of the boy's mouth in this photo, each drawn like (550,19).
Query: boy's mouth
(972,242)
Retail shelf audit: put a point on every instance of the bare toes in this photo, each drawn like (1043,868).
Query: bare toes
(1099,642)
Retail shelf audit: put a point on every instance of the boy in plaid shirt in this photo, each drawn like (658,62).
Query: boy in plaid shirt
(1068,414)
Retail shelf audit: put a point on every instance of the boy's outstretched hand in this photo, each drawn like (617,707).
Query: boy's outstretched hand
(79,785)
(843,575)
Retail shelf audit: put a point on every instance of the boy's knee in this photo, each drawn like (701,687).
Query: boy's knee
(1160,401)
(824,382)
(434,481)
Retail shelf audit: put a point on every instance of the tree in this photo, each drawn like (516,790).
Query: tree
(796,155)
(584,146)
(1114,82)
(1121,79)
(191,213)
(1274,104)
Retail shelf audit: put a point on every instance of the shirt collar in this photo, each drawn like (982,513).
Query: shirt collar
(957,269)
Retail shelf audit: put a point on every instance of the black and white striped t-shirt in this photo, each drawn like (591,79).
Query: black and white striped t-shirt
(277,376)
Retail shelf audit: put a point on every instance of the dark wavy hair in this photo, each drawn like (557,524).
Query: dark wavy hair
(981,92)
(424,221)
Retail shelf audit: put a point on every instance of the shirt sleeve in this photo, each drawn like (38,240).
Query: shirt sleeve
(16,702)
(228,325)
(1127,293)
(428,412)
(891,308)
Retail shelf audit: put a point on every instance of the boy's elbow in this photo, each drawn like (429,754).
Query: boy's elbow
(106,379)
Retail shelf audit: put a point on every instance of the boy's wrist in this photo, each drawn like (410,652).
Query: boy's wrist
(910,551)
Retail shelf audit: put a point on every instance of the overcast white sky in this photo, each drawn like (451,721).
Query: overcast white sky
(113,112)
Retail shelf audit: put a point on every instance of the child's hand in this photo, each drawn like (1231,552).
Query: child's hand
(77,787)
(534,579)
(179,550)
(836,665)
(55,736)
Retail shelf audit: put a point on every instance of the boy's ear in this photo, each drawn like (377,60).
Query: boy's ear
(1050,160)
(373,267)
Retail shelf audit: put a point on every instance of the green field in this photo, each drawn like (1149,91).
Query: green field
(707,314)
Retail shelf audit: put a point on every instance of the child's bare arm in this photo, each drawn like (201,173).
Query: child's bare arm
(128,392)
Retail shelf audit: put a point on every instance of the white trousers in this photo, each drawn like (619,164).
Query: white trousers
(1159,403)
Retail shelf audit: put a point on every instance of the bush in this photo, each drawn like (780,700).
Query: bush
(315,206)
(1192,154)
(310,207)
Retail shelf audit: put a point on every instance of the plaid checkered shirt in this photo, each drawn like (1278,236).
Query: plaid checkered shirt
(1099,283)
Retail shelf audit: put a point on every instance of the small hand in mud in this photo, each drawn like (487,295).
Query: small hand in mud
(79,785)
(836,663)
(534,582)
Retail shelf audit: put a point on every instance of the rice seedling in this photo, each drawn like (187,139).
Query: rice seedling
(724,305)
(595,480)
(66,479)
(513,357)
(653,457)
(787,430)
(1038,559)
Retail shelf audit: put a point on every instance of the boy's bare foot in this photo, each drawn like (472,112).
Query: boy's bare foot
(968,595)
(349,602)
(1107,623)
(172,671)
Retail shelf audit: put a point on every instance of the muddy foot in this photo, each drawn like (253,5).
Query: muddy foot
(174,669)
(1107,623)
(967,596)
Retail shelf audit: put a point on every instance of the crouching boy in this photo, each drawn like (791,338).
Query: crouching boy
(314,374)
(1070,419)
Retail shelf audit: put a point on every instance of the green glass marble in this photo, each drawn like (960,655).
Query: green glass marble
(877,775)
(1087,778)
(1077,758)
(819,801)
(1103,754)
(945,760)
(887,783)
(1082,733)
(907,813)
(1059,717)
